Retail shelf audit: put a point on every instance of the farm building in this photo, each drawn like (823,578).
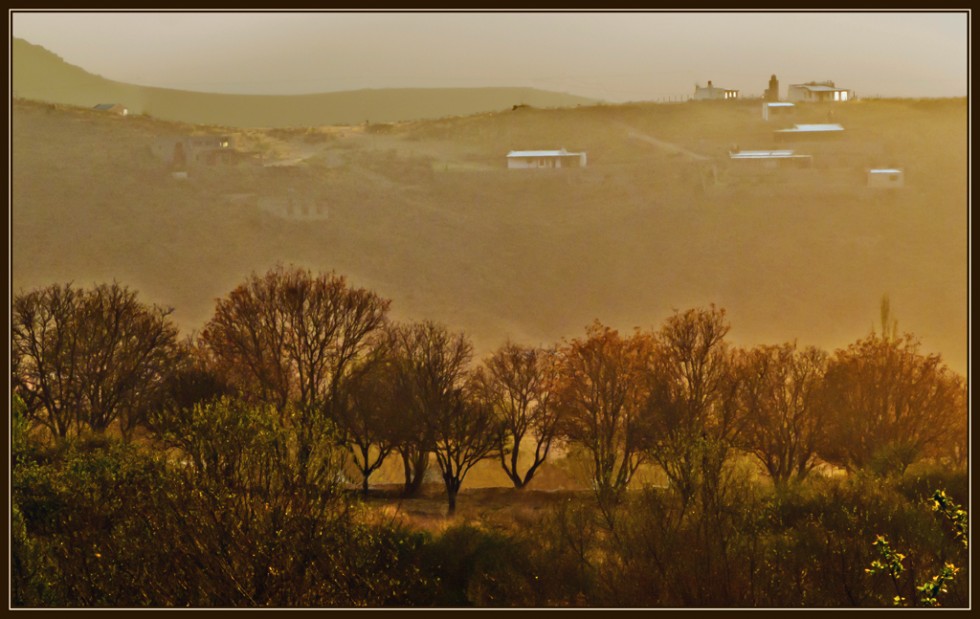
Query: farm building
(525,159)
(810,132)
(818,92)
(770,159)
(777,109)
(713,93)
(112,108)
(886,178)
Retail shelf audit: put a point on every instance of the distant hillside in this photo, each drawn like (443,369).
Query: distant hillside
(427,214)
(41,75)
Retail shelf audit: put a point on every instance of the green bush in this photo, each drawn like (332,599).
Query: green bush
(478,567)
(113,525)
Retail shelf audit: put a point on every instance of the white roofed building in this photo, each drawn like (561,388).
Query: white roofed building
(776,108)
(770,158)
(712,92)
(810,132)
(886,178)
(818,92)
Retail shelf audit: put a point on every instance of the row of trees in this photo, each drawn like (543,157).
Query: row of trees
(325,360)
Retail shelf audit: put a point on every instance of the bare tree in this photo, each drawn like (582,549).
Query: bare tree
(291,336)
(886,404)
(777,396)
(45,356)
(692,401)
(290,339)
(411,437)
(601,393)
(90,357)
(433,377)
(367,411)
(516,383)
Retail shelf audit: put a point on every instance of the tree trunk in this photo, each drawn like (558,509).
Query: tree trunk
(414,472)
(365,484)
(416,483)
(407,468)
(451,490)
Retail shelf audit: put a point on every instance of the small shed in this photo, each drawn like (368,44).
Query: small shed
(886,178)
(527,159)
(112,108)
(818,92)
(777,109)
(810,132)
(713,93)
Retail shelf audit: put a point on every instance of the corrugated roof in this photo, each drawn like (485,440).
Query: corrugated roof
(765,154)
(812,128)
(781,104)
(885,171)
(542,153)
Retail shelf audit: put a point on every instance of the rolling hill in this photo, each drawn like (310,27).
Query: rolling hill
(427,214)
(40,75)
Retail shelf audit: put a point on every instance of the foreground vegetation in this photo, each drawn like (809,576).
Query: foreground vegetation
(210,471)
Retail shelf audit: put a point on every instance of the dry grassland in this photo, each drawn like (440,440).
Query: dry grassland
(427,214)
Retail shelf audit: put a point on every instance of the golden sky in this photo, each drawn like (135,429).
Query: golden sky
(612,56)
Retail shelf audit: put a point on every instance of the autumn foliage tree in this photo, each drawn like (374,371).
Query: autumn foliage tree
(777,397)
(89,358)
(887,404)
(516,383)
(601,393)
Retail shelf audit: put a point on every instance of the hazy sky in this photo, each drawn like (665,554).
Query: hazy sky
(610,56)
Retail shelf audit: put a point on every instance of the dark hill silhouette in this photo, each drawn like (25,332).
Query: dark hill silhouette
(41,75)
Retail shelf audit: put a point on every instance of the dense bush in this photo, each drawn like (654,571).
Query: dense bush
(478,567)
(111,525)
(802,545)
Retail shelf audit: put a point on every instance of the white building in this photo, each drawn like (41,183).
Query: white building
(886,178)
(772,109)
(818,92)
(525,159)
(712,92)
(770,158)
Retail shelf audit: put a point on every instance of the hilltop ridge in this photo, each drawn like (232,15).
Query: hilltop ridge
(41,75)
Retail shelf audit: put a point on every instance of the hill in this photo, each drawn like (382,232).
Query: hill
(40,75)
(427,214)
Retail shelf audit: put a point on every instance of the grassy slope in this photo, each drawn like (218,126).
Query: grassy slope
(426,214)
(40,75)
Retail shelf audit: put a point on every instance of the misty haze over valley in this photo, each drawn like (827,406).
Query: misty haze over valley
(790,217)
